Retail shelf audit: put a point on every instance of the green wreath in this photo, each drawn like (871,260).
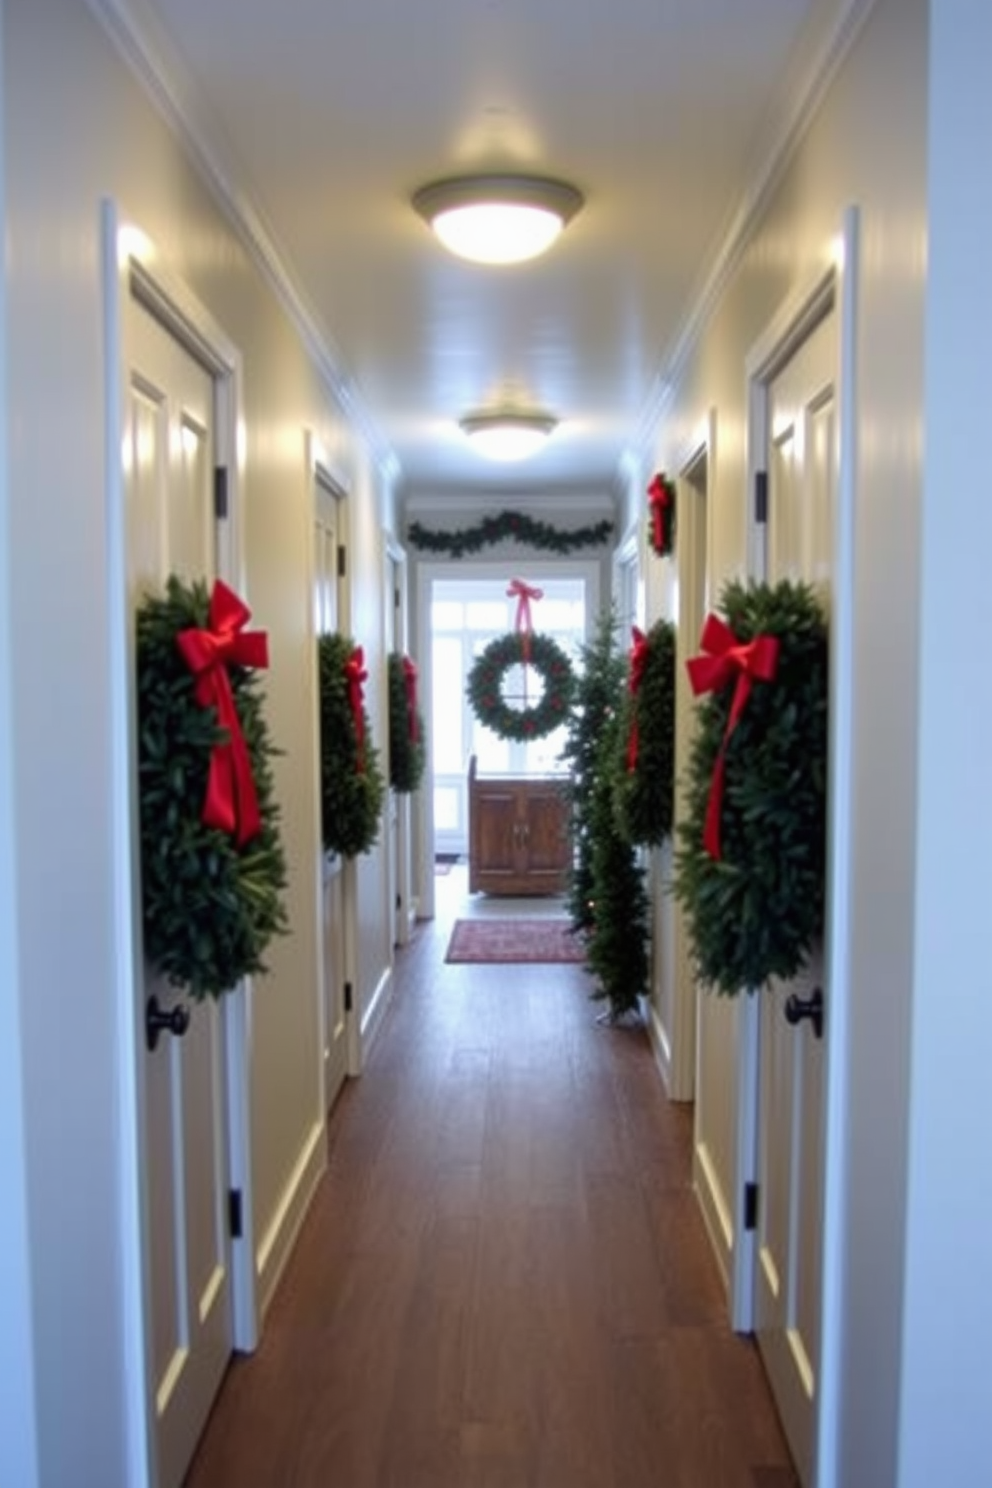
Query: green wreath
(209,906)
(644,787)
(352,789)
(485,686)
(661,515)
(407,745)
(756,912)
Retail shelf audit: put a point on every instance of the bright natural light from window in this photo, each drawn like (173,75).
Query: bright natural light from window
(466,615)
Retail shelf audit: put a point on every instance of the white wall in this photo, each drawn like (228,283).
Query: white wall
(946,1395)
(18,1437)
(78,128)
(865,146)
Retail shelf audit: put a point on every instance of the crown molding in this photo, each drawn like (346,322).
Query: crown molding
(165,76)
(801,90)
(460,503)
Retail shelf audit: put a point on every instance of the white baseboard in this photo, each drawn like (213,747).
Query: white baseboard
(716,1216)
(281,1232)
(661,1046)
(376,1010)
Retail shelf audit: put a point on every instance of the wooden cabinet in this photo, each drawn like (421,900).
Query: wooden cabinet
(518,834)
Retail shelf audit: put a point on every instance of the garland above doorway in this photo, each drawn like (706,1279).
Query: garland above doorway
(507,525)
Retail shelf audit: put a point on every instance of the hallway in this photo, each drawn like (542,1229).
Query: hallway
(504,1281)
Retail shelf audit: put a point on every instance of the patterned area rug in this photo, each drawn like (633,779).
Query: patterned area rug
(514,940)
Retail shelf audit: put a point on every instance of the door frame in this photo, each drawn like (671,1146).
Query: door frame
(396,619)
(834,291)
(133,269)
(699,448)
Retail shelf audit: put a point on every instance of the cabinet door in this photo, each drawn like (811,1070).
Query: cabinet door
(497,847)
(544,840)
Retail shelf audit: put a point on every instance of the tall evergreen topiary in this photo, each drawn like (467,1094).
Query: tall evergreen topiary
(617,936)
(598,696)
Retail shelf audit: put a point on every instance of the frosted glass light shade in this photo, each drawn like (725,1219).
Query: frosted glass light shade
(497,219)
(508,436)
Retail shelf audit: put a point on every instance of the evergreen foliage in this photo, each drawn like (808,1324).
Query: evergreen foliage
(661,515)
(210,907)
(351,780)
(644,796)
(484,686)
(508,526)
(757,911)
(407,755)
(616,947)
(598,697)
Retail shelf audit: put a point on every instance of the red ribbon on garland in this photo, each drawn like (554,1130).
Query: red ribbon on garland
(725,659)
(659,500)
(355,675)
(410,680)
(231,801)
(639,653)
(524,593)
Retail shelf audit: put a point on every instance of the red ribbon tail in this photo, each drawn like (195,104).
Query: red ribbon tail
(714,809)
(632,745)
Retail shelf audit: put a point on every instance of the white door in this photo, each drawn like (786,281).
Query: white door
(169,458)
(801,500)
(327,616)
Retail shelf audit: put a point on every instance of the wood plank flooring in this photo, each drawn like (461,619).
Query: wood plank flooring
(504,1281)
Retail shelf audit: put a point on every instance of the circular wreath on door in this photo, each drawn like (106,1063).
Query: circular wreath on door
(485,686)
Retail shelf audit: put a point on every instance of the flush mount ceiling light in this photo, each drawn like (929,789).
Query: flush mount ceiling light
(497,219)
(507,434)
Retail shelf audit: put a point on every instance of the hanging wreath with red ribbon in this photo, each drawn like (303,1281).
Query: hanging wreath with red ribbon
(661,515)
(645,775)
(750,867)
(352,785)
(212,865)
(523,716)
(407,742)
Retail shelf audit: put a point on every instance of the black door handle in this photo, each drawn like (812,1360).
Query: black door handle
(175,1021)
(798,1008)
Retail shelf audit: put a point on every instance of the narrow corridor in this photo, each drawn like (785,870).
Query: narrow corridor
(504,1280)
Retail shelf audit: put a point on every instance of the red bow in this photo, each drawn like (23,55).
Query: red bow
(659,499)
(726,658)
(355,673)
(410,679)
(231,801)
(524,594)
(639,653)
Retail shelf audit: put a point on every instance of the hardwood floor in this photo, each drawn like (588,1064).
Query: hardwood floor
(504,1281)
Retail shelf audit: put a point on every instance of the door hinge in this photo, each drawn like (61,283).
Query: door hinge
(220,492)
(750,1206)
(342,561)
(396,599)
(399,902)
(347,997)
(761,495)
(235,1216)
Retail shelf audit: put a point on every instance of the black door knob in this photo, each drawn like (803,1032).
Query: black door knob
(797,1008)
(175,1021)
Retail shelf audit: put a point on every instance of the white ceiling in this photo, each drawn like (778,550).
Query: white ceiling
(321,117)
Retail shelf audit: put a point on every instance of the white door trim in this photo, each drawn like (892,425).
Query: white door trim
(132,268)
(836,290)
